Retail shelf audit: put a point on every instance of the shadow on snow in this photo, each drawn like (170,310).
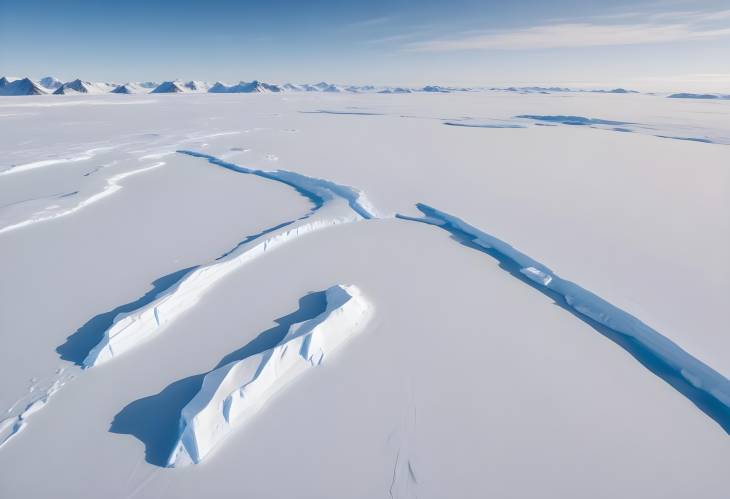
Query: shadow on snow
(79,344)
(703,400)
(154,420)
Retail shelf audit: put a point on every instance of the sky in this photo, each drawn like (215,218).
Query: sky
(667,45)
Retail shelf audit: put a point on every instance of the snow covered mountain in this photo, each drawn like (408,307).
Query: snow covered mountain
(244,88)
(169,87)
(84,87)
(323,86)
(292,87)
(395,90)
(26,86)
(196,86)
(50,82)
(130,88)
(435,89)
(179,87)
(687,95)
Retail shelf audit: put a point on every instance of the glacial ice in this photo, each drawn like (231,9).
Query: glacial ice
(232,394)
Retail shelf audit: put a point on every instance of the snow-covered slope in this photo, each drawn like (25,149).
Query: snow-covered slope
(323,86)
(169,87)
(83,87)
(244,88)
(50,82)
(130,88)
(196,86)
(292,87)
(24,86)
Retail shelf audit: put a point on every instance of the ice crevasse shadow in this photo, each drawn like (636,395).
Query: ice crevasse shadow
(707,389)
(332,204)
(153,420)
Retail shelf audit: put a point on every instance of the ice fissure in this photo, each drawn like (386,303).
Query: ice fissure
(334,204)
(705,387)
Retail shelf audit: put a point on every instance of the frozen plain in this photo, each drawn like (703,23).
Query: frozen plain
(467,382)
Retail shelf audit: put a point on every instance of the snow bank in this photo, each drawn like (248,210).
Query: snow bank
(83,156)
(334,204)
(232,394)
(704,386)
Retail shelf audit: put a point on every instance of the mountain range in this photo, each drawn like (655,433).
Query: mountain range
(50,85)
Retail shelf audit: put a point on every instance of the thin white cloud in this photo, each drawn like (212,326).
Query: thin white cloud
(400,37)
(694,16)
(668,27)
(367,23)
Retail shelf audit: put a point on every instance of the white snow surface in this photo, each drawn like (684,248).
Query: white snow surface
(234,393)
(179,231)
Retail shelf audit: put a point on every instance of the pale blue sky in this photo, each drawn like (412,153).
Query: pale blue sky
(670,44)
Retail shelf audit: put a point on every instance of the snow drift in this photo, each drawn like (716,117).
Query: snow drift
(234,393)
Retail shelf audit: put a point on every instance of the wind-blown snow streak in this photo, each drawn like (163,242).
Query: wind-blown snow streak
(232,394)
(53,211)
(333,204)
(705,387)
(86,155)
